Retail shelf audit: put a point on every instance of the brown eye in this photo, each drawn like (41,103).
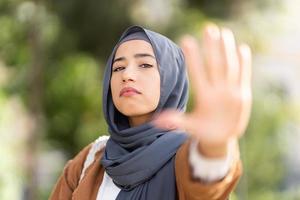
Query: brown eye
(116,69)
(145,65)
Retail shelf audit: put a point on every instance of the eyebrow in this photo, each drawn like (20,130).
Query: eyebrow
(138,55)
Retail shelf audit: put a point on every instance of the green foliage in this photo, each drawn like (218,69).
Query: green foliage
(73,102)
(262,155)
(77,37)
(94,24)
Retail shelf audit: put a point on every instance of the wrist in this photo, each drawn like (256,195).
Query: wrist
(213,151)
(209,169)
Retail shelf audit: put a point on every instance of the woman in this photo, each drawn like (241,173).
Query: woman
(155,150)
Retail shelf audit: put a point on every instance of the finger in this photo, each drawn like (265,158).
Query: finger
(194,63)
(245,114)
(245,60)
(212,52)
(245,85)
(230,56)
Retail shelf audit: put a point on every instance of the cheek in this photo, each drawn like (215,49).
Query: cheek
(154,91)
(114,89)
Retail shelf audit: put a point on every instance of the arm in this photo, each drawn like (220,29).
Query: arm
(207,169)
(191,188)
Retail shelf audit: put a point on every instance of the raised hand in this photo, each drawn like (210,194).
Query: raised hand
(220,77)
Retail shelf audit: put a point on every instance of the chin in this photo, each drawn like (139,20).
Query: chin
(133,113)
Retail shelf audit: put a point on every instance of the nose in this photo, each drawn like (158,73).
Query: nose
(129,74)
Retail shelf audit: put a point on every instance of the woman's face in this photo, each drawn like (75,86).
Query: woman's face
(135,81)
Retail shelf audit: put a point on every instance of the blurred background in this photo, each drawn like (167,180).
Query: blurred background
(52,55)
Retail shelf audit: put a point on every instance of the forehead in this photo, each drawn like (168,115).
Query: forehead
(132,47)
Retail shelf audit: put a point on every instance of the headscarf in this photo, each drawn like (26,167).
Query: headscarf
(140,159)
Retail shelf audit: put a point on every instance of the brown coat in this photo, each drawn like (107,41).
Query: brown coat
(189,188)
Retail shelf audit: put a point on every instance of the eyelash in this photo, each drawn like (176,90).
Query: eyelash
(142,65)
(146,65)
(117,69)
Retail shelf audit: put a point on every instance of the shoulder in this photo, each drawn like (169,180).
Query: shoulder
(74,170)
(95,147)
(75,167)
(88,152)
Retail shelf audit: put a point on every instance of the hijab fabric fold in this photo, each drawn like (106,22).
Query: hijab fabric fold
(140,159)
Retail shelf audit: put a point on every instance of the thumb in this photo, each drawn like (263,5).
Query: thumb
(169,119)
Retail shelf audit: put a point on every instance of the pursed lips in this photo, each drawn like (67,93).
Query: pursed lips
(128,91)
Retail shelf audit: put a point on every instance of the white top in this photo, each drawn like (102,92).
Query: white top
(108,190)
(208,170)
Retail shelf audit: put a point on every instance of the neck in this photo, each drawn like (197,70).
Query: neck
(138,120)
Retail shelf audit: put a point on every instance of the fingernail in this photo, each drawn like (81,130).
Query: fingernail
(245,50)
(213,31)
(227,33)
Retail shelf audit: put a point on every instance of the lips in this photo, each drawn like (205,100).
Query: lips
(129,91)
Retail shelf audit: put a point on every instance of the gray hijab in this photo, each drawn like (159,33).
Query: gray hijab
(140,159)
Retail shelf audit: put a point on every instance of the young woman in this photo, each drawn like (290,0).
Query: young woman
(155,150)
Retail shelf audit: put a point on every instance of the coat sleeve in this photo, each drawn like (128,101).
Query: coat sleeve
(190,188)
(70,176)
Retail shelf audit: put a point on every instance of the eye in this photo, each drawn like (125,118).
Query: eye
(116,69)
(145,65)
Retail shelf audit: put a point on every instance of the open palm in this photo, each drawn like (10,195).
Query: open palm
(221,84)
